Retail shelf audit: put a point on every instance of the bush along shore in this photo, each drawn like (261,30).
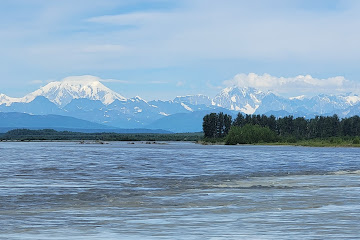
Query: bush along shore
(260,129)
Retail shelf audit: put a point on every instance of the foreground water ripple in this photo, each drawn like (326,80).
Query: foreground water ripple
(177,191)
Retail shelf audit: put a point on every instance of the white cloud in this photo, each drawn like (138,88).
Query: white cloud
(294,86)
(194,31)
(134,18)
(76,37)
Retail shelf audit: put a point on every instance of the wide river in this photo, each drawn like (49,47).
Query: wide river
(177,191)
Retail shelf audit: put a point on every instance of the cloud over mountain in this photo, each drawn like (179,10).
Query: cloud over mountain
(294,86)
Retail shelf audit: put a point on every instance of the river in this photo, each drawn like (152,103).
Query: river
(177,190)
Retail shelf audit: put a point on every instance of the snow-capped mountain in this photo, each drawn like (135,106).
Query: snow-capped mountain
(40,106)
(5,99)
(252,101)
(8,100)
(323,104)
(317,105)
(194,100)
(352,99)
(245,100)
(179,105)
(272,102)
(63,92)
(86,98)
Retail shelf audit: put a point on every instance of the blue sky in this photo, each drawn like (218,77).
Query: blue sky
(158,49)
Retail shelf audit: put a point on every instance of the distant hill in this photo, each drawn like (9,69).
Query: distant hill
(23,120)
(15,120)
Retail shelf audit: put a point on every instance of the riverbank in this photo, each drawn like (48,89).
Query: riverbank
(304,143)
(26,135)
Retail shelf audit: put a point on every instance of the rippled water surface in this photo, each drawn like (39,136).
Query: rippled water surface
(178,191)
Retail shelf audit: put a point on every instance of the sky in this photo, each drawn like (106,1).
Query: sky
(160,49)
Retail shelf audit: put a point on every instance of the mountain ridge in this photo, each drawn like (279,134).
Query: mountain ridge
(16,120)
(86,98)
(62,92)
(246,99)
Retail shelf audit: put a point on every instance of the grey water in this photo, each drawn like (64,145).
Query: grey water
(67,190)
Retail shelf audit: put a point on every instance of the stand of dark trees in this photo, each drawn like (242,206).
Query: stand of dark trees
(214,125)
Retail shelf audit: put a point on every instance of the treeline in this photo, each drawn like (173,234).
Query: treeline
(53,135)
(288,127)
(216,125)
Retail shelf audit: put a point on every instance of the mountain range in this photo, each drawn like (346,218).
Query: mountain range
(86,98)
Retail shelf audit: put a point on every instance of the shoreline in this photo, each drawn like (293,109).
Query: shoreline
(308,143)
(319,144)
(150,142)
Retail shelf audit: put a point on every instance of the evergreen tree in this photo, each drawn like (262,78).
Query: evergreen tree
(210,125)
(346,126)
(355,126)
(220,125)
(300,127)
(248,119)
(239,120)
(227,123)
(271,122)
(206,126)
(336,125)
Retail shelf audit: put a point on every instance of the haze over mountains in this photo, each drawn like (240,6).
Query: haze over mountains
(86,98)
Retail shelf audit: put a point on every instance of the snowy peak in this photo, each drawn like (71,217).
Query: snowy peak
(85,97)
(250,101)
(137,99)
(244,91)
(63,92)
(301,97)
(4,99)
(352,99)
(245,99)
(198,99)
